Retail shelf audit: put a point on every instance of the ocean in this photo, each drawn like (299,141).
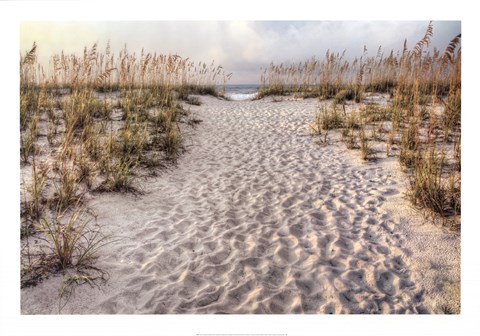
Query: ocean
(241,91)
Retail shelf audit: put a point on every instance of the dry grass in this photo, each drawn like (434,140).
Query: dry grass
(430,189)
(73,241)
(107,120)
(422,114)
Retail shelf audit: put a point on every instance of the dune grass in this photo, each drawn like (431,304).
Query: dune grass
(97,122)
(421,114)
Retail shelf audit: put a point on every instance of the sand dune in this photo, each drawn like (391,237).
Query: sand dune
(258,218)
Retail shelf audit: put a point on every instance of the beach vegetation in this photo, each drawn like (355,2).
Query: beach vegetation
(108,119)
(409,101)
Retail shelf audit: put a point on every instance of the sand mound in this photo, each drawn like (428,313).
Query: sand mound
(257,218)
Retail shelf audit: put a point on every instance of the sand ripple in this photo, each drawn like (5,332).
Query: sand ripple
(256,218)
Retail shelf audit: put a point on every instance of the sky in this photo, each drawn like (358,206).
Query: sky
(241,47)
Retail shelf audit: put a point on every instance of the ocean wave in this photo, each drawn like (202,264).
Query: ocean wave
(241,96)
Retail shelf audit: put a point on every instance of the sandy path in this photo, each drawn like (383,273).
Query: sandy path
(257,218)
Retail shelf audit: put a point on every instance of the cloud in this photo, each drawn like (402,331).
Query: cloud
(53,37)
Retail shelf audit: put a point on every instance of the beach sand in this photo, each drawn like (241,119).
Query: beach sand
(257,217)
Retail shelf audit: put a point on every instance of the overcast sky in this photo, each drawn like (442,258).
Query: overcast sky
(241,47)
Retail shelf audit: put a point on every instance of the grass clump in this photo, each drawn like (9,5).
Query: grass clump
(429,189)
(365,146)
(120,176)
(73,241)
(172,143)
(330,119)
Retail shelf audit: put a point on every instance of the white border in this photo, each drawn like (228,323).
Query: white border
(13,323)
